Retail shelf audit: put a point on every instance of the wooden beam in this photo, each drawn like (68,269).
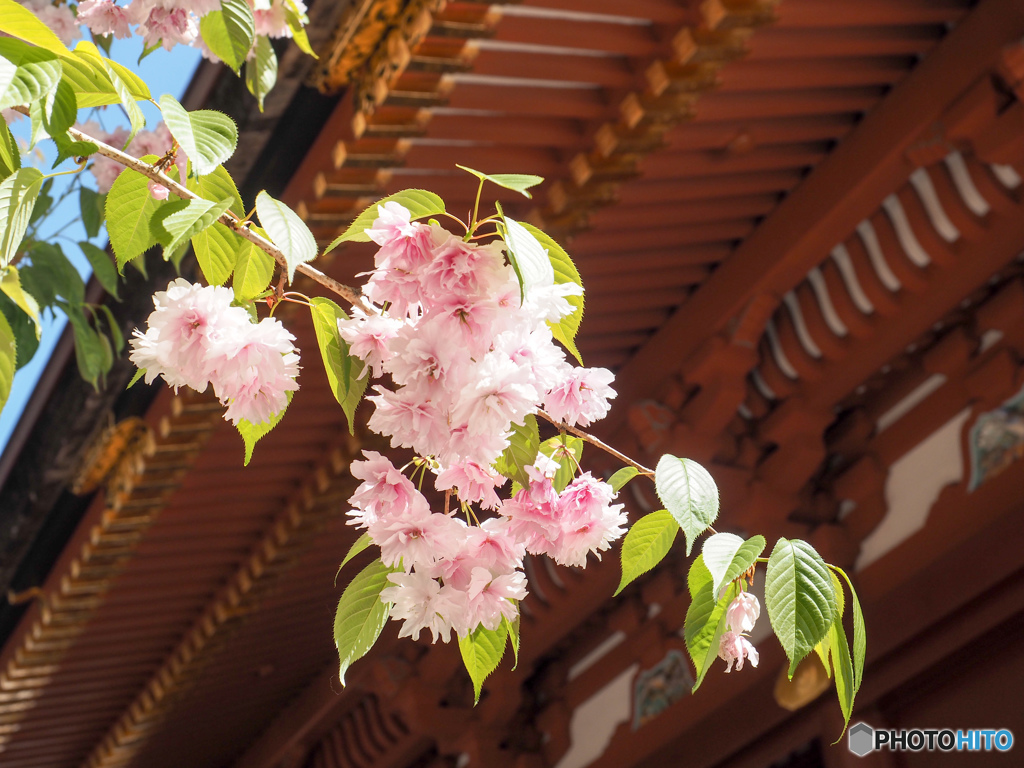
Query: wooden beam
(842,191)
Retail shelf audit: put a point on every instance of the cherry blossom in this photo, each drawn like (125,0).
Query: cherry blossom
(104,17)
(420,602)
(742,613)
(581,397)
(735,648)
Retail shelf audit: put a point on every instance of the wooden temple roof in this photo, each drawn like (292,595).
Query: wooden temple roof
(799,225)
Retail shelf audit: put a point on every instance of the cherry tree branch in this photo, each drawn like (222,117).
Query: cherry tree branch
(594,441)
(228,219)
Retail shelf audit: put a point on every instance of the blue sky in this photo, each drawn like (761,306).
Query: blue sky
(164,72)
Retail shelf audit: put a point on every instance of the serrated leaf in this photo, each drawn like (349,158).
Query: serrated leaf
(207,136)
(254,269)
(418,202)
(89,80)
(27,73)
(50,275)
(261,70)
(524,442)
(18,193)
(253,433)
(8,356)
(135,379)
(343,369)
(11,286)
(646,544)
(130,210)
(10,154)
(287,231)
(705,619)
(799,596)
(180,224)
(529,258)
(481,653)
(116,336)
(728,556)
(860,642)
(229,32)
(102,266)
(517,182)
(622,476)
(92,354)
(689,493)
(361,615)
(357,548)
(217,250)
(26,339)
(296,20)
(512,627)
(567,450)
(91,203)
(565,271)
(18,21)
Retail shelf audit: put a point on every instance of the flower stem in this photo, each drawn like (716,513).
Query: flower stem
(594,441)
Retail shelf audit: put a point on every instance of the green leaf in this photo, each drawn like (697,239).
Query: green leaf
(481,654)
(91,204)
(123,88)
(217,249)
(418,202)
(10,153)
(512,627)
(860,641)
(646,544)
(343,369)
(689,493)
(517,182)
(524,442)
(296,21)
(18,21)
(252,433)
(705,618)
(799,596)
(91,352)
(130,210)
(728,556)
(567,450)
(529,258)
(135,379)
(360,546)
(27,73)
(261,70)
(90,74)
(50,275)
(102,266)
(207,136)
(287,231)
(229,32)
(217,185)
(116,336)
(254,269)
(564,330)
(10,284)
(26,331)
(361,615)
(8,353)
(621,477)
(176,223)
(18,193)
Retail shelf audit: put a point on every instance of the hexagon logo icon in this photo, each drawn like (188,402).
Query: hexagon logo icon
(861,739)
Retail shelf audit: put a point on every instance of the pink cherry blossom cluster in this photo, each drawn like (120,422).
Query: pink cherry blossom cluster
(469,356)
(740,617)
(456,576)
(195,337)
(176,22)
(156,142)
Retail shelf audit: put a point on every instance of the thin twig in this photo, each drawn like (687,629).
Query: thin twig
(228,219)
(594,441)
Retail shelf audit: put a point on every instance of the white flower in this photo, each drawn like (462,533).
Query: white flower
(736,648)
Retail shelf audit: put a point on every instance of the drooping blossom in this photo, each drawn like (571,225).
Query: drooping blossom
(385,491)
(743,612)
(735,648)
(368,337)
(195,338)
(166,26)
(588,520)
(472,482)
(420,602)
(271,18)
(104,17)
